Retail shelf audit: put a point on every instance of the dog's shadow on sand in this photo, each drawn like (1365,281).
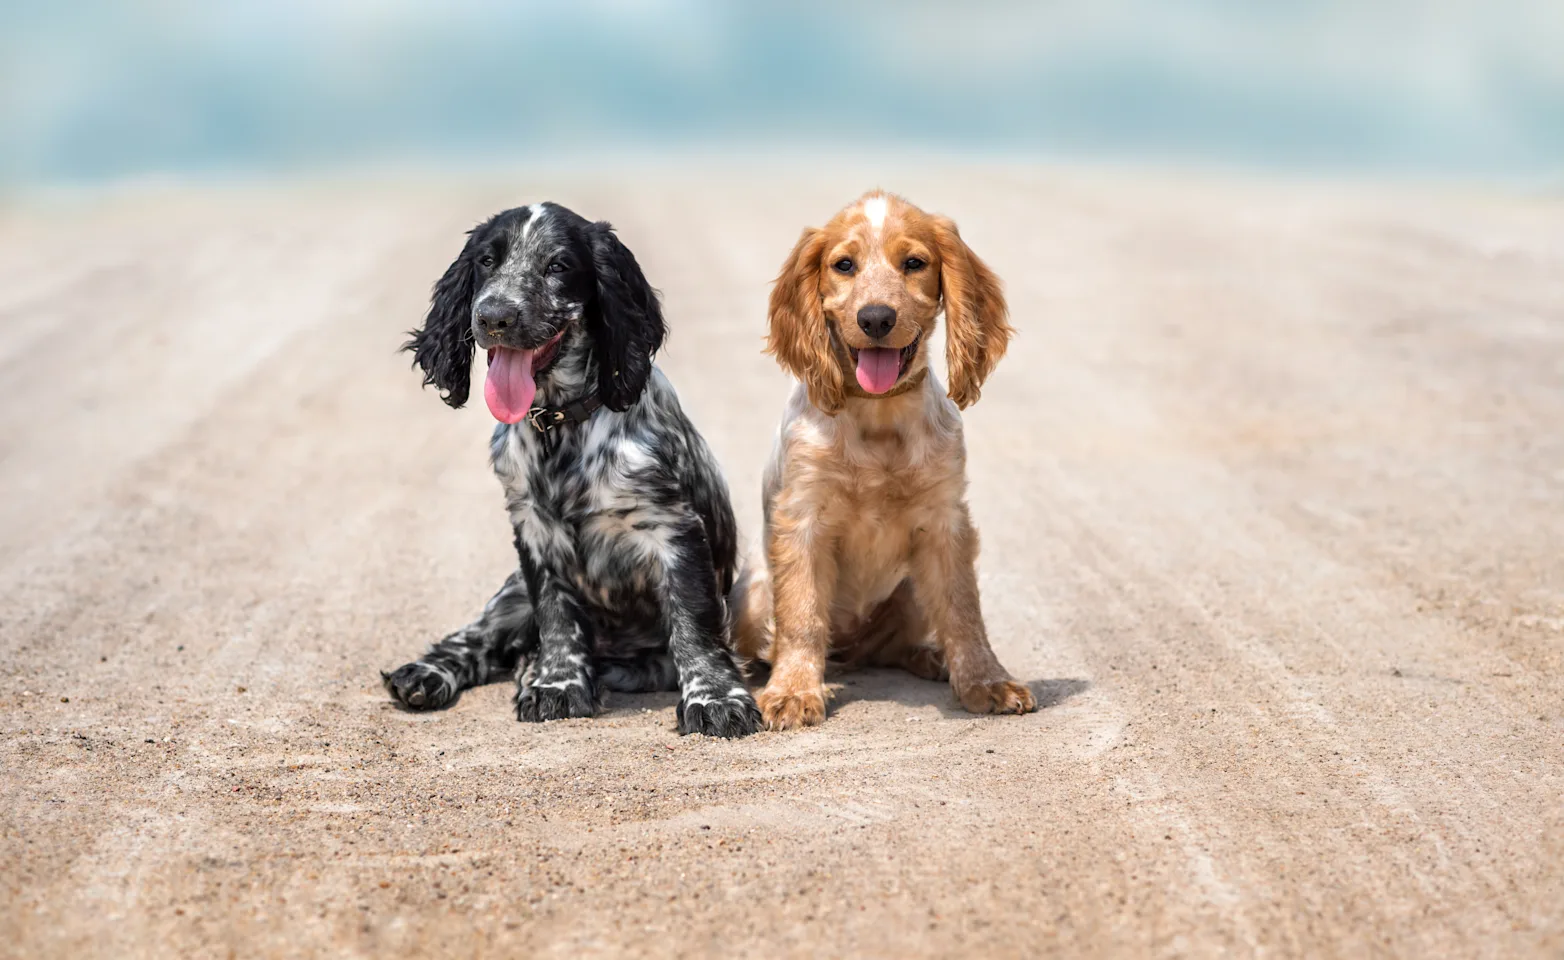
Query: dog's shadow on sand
(855,686)
(904,688)
(875,684)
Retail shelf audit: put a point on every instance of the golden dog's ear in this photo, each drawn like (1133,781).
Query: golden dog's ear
(799,339)
(977,328)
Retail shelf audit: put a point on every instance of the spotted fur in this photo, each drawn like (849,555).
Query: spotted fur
(625,536)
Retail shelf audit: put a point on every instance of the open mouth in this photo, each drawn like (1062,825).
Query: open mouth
(880,368)
(512,381)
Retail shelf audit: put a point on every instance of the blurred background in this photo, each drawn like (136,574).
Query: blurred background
(1269,480)
(95,89)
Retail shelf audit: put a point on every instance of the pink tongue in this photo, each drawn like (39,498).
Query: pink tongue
(510,388)
(877,368)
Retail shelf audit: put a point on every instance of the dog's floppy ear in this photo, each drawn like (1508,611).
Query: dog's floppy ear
(977,329)
(627,322)
(443,348)
(799,338)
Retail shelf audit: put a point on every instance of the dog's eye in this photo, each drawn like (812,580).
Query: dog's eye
(843,265)
(913,263)
(486,261)
(558,266)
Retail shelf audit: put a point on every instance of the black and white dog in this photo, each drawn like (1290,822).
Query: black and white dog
(621,516)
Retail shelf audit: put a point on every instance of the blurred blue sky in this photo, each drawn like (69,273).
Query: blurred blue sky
(96,89)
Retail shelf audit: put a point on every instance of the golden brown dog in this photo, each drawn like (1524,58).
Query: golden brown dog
(870,548)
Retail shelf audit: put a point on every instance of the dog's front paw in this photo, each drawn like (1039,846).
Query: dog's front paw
(996,696)
(789,709)
(420,686)
(732,716)
(541,701)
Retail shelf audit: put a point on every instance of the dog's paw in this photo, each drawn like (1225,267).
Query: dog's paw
(996,696)
(538,702)
(787,710)
(420,686)
(735,716)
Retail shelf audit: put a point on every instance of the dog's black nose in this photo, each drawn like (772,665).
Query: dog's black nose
(876,319)
(495,315)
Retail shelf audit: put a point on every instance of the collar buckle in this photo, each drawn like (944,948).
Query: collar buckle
(544,419)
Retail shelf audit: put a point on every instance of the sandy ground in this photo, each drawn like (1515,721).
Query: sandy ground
(1272,494)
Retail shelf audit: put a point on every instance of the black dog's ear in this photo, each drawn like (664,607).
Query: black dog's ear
(626,323)
(443,348)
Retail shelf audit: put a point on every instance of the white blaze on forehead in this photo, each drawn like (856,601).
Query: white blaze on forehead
(874,210)
(534,214)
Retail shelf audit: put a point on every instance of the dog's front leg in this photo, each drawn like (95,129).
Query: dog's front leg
(944,561)
(482,650)
(803,576)
(560,681)
(712,697)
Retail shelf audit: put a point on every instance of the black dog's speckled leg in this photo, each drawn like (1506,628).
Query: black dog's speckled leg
(713,699)
(484,650)
(560,681)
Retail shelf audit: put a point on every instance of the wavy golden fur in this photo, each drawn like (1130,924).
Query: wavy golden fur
(870,551)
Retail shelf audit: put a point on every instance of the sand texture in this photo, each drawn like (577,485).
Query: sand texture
(1271,489)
